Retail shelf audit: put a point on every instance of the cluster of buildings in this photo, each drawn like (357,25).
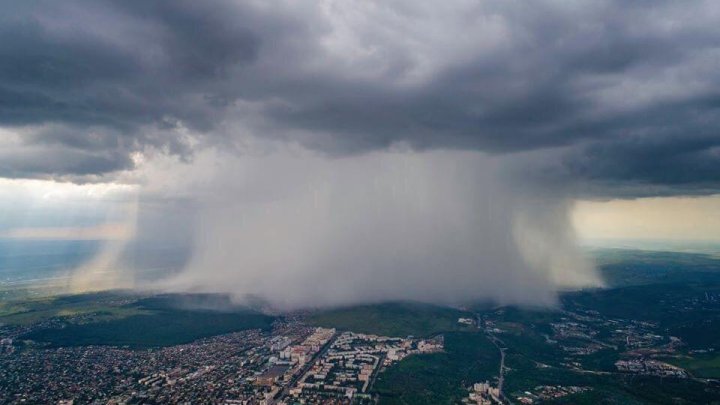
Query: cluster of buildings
(288,360)
(206,371)
(543,393)
(303,352)
(636,335)
(221,369)
(638,341)
(466,321)
(345,372)
(650,367)
(294,363)
(14,331)
(6,345)
(484,394)
(571,329)
(578,334)
(581,333)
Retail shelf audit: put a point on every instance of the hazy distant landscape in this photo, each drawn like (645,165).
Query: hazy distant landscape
(42,267)
(37,261)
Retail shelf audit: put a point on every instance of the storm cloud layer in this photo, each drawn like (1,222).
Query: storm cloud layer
(394,149)
(628,89)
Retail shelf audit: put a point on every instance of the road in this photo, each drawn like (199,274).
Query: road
(376,372)
(501,379)
(499,344)
(305,368)
(501,373)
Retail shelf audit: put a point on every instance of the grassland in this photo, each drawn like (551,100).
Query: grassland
(393,319)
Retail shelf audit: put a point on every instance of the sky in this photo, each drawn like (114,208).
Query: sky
(330,152)
(677,218)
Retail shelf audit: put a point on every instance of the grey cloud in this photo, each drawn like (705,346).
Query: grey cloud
(652,167)
(120,65)
(43,162)
(622,88)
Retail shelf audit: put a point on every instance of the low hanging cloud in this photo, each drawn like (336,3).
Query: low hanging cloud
(536,105)
(304,230)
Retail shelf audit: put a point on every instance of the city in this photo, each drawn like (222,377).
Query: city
(293,363)
(530,357)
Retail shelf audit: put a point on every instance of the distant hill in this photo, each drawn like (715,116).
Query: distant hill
(625,267)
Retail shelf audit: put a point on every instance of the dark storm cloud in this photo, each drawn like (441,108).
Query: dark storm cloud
(54,162)
(627,90)
(120,64)
(654,167)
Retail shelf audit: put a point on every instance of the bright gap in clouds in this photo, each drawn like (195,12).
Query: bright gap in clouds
(45,209)
(646,219)
(65,235)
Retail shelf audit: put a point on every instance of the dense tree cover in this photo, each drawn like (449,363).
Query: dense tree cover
(398,319)
(440,378)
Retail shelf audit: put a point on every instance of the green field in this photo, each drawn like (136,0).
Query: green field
(392,319)
(163,328)
(98,306)
(703,366)
(440,378)
(121,319)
